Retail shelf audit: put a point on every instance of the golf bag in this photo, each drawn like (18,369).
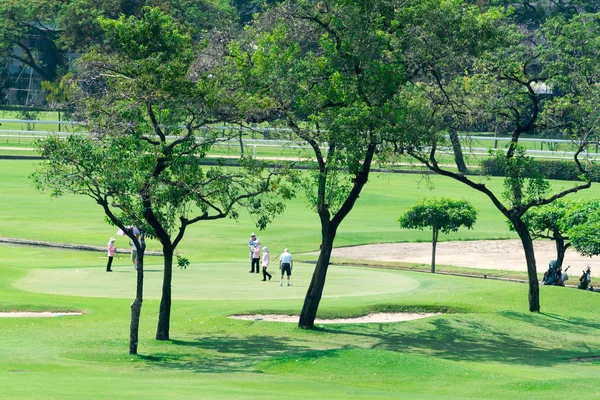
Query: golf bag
(585,280)
(553,276)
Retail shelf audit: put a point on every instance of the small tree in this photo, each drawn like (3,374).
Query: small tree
(548,222)
(82,166)
(584,238)
(443,214)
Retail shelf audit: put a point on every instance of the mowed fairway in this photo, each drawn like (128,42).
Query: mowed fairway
(485,345)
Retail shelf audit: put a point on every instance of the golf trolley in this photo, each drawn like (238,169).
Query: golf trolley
(585,280)
(554,276)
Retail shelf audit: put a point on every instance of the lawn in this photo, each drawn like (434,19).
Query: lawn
(485,344)
(30,215)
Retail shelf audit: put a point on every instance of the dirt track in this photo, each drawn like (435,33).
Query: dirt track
(485,254)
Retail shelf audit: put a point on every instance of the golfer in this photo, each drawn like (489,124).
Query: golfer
(134,253)
(252,245)
(265,264)
(111,253)
(256,257)
(286,263)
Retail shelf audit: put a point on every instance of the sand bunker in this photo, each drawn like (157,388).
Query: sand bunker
(371,318)
(485,254)
(45,314)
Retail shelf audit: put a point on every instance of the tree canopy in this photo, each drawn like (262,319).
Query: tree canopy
(141,105)
(503,89)
(441,215)
(548,222)
(581,224)
(330,72)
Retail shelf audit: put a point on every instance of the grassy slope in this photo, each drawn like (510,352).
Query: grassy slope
(491,348)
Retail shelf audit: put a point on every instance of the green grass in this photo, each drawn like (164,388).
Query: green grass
(487,345)
(440,269)
(28,214)
(221,281)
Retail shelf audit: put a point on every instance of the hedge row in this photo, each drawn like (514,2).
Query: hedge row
(549,169)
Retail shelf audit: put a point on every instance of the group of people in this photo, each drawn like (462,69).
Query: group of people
(286,262)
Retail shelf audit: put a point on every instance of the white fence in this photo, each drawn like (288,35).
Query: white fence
(65,128)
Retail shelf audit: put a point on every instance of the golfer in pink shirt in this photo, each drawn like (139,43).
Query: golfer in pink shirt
(111,253)
(265,264)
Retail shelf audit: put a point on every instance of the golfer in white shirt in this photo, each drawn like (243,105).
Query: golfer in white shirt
(286,263)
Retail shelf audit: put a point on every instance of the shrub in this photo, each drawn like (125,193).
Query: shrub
(549,169)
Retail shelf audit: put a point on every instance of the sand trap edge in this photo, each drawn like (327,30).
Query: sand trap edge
(366,319)
(30,314)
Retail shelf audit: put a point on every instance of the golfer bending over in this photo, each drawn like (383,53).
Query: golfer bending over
(285,265)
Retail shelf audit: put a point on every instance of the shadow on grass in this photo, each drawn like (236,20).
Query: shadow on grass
(217,353)
(458,338)
(556,322)
(465,340)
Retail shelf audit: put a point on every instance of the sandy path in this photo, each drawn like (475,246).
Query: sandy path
(485,254)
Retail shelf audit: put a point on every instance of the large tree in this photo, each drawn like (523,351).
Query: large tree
(505,89)
(328,71)
(136,90)
(29,38)
(442,39)
(45,35)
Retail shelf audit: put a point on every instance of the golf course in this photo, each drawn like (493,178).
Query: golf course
(481,342)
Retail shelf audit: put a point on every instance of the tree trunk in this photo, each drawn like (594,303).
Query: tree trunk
(458,153)
(534,289)
(164,314)
(241,145)
(560,250)
(136,306)
(433,245)
(317,283)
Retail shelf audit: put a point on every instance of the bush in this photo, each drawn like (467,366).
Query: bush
(549,169)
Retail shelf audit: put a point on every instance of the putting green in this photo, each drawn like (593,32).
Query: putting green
(216,281)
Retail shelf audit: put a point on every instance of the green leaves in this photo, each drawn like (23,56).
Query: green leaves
(182,261)
(150,131)
(548,221)
(444,214)
(580,223)
(154,36)
(522,184)
(574,221)
(29,35)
